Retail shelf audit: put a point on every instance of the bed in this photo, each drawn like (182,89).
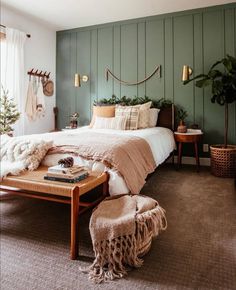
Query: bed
(158,140)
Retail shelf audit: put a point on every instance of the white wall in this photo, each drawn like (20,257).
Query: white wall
(40,53)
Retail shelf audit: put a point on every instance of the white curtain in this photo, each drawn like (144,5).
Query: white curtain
(13,72)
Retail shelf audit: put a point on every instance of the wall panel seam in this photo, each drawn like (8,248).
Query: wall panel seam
(76,64)
(145,53)
(137,61)
(173,59)
(234,29)
(120,60)
(90,82)
(223,36)
(203,70)
(162,71)
(113,58)
(194,113)
(97,70)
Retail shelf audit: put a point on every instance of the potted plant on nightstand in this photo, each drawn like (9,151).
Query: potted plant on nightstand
(181,115)
(223,87)
(74,120)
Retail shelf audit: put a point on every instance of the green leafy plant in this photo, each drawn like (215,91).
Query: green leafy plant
(223,85)
(8,113)
(182,114)
(74,116)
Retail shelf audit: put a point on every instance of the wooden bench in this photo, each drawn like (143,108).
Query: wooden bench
(32,184)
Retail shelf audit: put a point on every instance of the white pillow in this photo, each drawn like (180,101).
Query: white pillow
(153,117)
(116,123)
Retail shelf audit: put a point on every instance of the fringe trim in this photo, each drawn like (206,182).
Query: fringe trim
(113,256)
(148,226)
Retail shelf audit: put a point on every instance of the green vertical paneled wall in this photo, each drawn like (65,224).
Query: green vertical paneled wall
(132,49)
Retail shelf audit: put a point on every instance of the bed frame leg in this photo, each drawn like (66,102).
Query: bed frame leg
(74,224)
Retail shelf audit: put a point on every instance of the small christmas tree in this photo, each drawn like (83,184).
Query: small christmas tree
(8,113)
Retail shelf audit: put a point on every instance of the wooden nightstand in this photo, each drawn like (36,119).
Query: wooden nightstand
(189,137)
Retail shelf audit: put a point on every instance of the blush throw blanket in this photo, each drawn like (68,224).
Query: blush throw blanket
(130,155)
(18,154)
(122,229)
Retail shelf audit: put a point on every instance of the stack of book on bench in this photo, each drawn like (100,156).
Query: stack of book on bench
(71,174)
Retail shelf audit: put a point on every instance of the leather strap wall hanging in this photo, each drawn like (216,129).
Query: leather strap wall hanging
(156,70)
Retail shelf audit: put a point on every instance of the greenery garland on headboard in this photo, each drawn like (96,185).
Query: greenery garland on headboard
(127,101)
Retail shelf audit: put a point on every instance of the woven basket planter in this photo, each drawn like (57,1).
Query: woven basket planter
(223,161)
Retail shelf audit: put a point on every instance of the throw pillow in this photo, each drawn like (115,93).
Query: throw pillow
(102,111)
(131,114)
(116,123)
(144,109)
(153,116)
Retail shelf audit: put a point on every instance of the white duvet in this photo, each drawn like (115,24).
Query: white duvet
(160,140)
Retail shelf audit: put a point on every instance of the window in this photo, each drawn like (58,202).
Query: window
(12,71)
(3,57)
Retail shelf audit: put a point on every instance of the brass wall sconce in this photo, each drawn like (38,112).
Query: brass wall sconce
(186,73)
(79,78)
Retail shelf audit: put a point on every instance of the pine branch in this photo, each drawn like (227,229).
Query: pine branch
(8,113)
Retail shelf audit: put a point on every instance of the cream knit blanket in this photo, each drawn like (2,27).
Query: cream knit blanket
(122,228)
(20,153)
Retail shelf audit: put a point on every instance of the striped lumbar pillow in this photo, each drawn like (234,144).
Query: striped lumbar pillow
(131,114)
(116,123)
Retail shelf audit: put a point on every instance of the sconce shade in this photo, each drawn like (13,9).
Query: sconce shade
(77,80)
(187,71)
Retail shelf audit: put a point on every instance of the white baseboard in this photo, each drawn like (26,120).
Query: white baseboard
(191,160)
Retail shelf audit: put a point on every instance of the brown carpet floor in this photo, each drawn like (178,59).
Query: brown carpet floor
(198,250)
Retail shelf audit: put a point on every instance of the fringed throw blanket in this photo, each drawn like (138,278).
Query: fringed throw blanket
(130,155)
(19,153)
(122,229)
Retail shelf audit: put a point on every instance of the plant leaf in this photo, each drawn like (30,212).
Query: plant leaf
(220,99)
(203,83)
(196,77)
(233,62)
(213,99)
(214,73)
(228,64)
(215,64)
(217,87)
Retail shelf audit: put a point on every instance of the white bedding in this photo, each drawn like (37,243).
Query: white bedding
(160,140)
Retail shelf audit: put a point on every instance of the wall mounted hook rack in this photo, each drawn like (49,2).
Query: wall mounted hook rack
(38,73)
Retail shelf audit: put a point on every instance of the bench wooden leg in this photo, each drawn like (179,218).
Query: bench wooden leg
(105,187)
(74,224)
